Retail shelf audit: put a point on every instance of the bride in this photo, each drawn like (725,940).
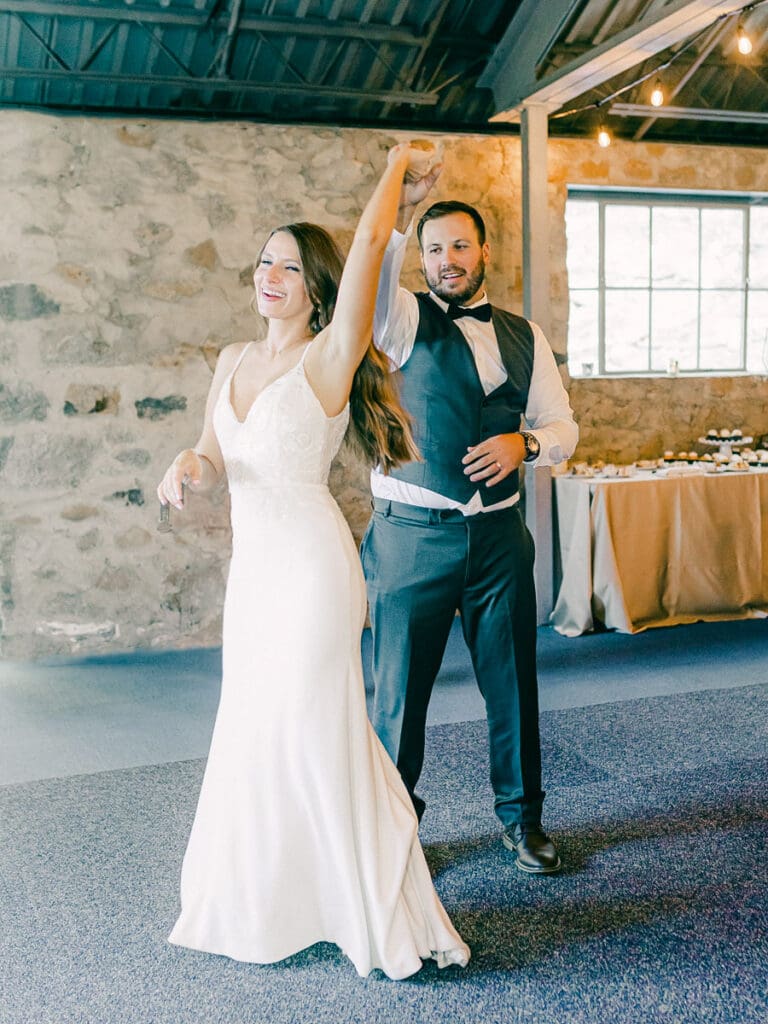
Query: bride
(304,831)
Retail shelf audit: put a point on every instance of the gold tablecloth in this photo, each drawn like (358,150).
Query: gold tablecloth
(651,551)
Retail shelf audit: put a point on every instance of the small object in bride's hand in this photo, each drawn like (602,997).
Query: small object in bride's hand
(164,519)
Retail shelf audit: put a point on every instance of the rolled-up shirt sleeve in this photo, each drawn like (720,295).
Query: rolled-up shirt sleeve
(548,414)
(396,316)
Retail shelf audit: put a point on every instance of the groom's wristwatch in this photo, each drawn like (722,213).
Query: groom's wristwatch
(532,446)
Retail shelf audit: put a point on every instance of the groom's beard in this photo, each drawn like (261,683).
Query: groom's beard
(467,286)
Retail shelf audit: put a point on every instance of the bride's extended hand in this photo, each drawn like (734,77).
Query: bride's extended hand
(186,468)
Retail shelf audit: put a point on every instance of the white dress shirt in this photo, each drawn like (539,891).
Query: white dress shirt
(548,413)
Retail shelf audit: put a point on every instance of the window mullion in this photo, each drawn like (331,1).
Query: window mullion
(745,290)
(601,288)
(698,304)
(649,349)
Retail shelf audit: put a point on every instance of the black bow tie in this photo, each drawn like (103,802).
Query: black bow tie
(478,312)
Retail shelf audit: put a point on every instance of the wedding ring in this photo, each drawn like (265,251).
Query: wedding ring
(498,465)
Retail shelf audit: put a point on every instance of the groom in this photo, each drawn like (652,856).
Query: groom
(447,533)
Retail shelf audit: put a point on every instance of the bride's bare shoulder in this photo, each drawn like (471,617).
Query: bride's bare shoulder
(229,355)
(232,351)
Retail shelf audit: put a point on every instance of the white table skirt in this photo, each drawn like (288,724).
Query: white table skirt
(657,551)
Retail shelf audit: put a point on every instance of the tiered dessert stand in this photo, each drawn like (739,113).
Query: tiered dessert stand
(726,445)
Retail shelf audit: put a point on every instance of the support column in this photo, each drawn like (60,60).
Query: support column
(536,298)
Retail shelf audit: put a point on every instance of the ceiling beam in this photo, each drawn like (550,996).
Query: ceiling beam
(315,28)
(528,39)
(220,85)
(678,21)
(225,53)
(688,113)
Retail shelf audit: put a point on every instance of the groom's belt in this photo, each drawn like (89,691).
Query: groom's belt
(420,514)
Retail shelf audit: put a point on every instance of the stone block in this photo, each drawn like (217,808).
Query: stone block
(203,255)
(79,633)
(22,402)
(186,353)
(218,210)
(86,345)
(89,399)
(137,135)
(88,540)
(7,350)
(172,291)
(117,579)
(25,302)
(159,408)
(131,496)
(75,513)
(134,457)
(49,461)
(74,273)
(153,234)
(134,537)
(7,550)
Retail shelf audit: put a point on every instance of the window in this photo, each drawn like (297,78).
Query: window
(666,282)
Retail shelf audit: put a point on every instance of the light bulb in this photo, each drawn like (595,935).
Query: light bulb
(743,41)
(603,137)
(657,96)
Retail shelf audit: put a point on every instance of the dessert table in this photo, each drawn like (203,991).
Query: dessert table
(660,549)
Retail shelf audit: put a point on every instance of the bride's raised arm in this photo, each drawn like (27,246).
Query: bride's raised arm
(338,351)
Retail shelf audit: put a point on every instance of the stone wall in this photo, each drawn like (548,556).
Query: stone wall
(125,265)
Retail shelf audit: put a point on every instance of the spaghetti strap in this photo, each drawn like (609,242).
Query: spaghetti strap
(307,347)
(240,357)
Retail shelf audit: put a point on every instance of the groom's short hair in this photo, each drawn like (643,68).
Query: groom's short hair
(452,206)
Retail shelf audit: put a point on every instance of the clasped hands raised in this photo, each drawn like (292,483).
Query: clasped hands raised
(424,168)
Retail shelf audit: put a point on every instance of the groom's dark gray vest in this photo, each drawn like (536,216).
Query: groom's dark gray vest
(441,390)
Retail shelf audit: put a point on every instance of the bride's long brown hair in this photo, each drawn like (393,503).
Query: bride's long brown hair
(380,428)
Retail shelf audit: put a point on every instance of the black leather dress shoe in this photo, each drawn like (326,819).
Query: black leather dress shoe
(534,851)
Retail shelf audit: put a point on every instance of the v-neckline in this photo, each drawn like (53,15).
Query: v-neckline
(280,376)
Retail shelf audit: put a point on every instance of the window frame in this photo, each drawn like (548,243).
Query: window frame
(648,199)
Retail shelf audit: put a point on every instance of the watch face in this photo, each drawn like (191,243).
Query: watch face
(532,446)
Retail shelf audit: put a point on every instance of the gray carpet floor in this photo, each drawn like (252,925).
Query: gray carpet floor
(76,715)
(659,806)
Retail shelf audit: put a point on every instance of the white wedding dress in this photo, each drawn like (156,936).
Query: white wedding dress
(304,832)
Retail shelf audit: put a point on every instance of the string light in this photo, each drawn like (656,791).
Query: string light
(743,42)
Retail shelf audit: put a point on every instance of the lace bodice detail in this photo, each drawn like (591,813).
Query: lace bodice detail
(286,437)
